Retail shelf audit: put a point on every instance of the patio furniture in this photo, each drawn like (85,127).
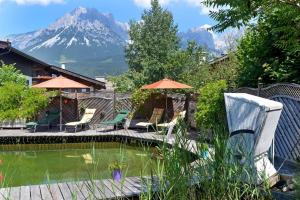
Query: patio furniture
(83,123)
(118,120)
(49,118)
(16,123)
(171,125)
(165,85)
(176,117)
(155,118)
(60,83)
(252,122)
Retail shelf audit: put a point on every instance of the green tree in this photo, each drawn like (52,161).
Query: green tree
(153,41)
(8,73)
(237,14)
(270,49)
(17,100)
(189,66)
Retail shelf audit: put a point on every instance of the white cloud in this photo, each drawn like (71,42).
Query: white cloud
(30,2)
(41,2)
(147,3)
(203,8)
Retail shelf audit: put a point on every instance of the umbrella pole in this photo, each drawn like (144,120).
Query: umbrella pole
(166,112)
(60,110)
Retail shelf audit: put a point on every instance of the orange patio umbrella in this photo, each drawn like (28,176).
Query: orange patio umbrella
(60,83)
(166,84)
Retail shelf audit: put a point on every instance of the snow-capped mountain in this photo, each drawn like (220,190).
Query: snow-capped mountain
(90,42)
(85,40)
(199,35)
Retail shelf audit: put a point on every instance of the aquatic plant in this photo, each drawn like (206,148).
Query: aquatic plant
(212,176)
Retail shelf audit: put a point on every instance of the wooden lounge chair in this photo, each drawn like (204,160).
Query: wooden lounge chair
(49,118)
(171,125)
(176,117)
(118,120)
(155,118)
(83,123)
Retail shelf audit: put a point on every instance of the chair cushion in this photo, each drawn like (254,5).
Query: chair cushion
(144,124)
(31,124)
(73,123)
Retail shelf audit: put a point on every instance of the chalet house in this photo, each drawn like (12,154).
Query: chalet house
(37,71)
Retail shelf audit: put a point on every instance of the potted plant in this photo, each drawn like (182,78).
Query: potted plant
(116,170)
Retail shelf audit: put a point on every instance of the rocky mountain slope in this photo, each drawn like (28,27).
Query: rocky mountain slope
(89,42)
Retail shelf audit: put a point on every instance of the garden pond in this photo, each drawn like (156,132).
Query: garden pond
(28,164)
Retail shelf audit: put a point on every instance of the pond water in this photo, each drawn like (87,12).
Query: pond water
(46,163)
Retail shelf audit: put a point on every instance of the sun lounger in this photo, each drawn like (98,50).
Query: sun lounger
(83,123)
(171,125)
(49,118)
(118,120)
(177,115)
(155,118)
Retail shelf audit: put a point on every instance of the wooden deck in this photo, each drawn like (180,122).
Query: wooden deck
(130,187)
(107,133)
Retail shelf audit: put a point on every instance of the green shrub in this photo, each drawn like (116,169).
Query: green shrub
(8,73)
(17,100)
(210,106)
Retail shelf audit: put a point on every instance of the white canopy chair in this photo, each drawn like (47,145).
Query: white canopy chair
(252,122)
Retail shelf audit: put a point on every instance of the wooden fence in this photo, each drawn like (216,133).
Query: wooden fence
(287,136)
(107,103)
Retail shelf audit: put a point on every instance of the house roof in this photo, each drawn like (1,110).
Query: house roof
(219,60)
(7,45)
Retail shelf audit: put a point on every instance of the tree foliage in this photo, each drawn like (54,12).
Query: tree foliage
(270,49)
(154,53)
(237,14)
(210,106)
(8,73)
(153,40)
(17,100)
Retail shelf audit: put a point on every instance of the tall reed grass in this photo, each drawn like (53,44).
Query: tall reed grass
(209,177)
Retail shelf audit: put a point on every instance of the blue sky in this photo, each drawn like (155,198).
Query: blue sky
(19,16)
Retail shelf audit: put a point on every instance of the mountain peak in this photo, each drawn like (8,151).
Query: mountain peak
(80,10)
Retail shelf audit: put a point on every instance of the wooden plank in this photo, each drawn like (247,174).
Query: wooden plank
(74,191)
(131,187)
(112,188)
(35,193)
(25,193)
(137,184)
(121,186)
(94,190)
(83,189)
(65,190)
(4,193)
(107,193)
(55,192)
(45,192)
(15,193)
